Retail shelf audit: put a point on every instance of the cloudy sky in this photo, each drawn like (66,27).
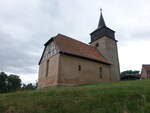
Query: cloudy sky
(25,25)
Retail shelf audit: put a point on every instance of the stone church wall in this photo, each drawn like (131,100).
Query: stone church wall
(89,72)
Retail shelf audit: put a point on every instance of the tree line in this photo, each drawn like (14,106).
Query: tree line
(130,72)
(11,83)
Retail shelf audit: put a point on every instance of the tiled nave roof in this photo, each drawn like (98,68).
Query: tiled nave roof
(77,48)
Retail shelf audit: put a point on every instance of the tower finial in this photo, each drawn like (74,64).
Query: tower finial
(101,10)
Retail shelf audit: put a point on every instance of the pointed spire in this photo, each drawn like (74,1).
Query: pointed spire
(101,20)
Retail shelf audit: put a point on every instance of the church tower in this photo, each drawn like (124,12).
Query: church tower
(103,38)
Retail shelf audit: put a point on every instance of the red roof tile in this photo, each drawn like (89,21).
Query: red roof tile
(78,48)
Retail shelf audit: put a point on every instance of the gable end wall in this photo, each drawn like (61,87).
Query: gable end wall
(52,78)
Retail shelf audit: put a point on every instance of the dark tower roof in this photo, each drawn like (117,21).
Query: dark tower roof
(101,21)
(102,30)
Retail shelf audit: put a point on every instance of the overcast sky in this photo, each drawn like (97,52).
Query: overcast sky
(25,25)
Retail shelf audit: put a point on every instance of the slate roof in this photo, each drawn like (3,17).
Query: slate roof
(101,22)
(70,46)
(102,30)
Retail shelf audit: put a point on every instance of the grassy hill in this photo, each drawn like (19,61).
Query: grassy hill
(115,97)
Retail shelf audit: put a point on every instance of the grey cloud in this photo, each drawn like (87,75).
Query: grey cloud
(141,34)
(15,54)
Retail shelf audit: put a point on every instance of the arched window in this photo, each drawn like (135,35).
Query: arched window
(100,73)
(47,67)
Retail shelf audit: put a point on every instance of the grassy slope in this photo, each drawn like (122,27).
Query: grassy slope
(116,97)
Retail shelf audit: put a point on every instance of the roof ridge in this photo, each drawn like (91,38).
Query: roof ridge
(71,38)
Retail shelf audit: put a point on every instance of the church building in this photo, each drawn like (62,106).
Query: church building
(67,61)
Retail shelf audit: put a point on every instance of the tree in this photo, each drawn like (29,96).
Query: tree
(14,83)
(9,83)
(29,86)
(3,80)
(129,72)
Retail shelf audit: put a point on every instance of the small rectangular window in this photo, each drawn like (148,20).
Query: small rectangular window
(100,73)
(47,67)
(79,67)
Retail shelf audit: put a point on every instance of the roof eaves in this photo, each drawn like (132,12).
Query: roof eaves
(103,37)
(102,28)
(87,58)
(42,55)
(50,40)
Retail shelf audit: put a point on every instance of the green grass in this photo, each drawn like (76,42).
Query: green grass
(115,97)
